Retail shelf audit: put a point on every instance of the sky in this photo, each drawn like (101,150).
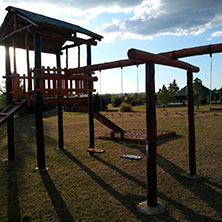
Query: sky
(149,25)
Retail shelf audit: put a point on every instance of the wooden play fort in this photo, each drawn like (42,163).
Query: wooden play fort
(44,85)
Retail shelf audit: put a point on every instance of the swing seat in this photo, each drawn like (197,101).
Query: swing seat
(132,157)
(95,150)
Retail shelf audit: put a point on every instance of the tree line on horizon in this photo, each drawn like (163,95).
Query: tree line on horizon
(164,96)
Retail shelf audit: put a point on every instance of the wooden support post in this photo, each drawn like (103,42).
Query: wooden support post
(29,88)
(151,206)
(27,52)
(112,135)
(122,136)
(67,58)
(151,135)
(39,107)
(13,43)
(10,123)
(191,125)
(78,56)
(59,109)
(90,104)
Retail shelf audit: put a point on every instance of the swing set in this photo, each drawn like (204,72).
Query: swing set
(30,31)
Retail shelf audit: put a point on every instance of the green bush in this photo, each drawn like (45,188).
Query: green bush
(116,100)
(99,103)
(126,107)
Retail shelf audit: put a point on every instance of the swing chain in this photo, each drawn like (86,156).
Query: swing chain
(211,72)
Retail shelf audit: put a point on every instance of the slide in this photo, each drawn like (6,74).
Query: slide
(105,121)
(10,110)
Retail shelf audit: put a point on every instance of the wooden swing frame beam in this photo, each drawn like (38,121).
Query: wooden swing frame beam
(182,53)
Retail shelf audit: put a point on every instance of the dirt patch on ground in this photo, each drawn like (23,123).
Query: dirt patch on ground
(137,135)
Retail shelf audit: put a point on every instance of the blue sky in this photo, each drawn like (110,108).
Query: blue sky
(151,25)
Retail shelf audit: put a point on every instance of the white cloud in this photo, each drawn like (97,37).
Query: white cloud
(169,17)
(148,18)
(217,34)
(83,4)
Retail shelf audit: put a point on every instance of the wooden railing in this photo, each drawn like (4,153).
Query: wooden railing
(53,82)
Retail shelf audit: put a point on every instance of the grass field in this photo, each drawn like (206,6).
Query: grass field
(78,187)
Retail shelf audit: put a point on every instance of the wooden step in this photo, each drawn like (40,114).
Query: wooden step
(11,110)
(4,114)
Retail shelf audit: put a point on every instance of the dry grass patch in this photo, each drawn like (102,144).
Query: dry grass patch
(106,187)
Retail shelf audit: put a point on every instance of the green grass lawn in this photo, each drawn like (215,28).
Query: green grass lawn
(78,187)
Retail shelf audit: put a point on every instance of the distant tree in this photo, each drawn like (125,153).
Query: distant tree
(142,98)
(164,96)
(99,103)
(219,93)
(107,98)
(116,100)
(198,92)
(197,80)
(173,87)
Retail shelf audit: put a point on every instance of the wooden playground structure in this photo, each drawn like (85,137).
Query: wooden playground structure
(43,85)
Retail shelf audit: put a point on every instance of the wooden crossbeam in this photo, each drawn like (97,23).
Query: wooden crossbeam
(136,54)
(15,32)
(63,77)
(194,51)
(65,37)
(201,50)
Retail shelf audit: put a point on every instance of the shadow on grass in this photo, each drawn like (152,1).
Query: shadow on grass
(142,148)
(13,200)
(126,202)
(57,201)
(121,172)
(189,213)
(168,139)
(200,187)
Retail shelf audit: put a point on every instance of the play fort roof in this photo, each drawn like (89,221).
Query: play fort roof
(54,32)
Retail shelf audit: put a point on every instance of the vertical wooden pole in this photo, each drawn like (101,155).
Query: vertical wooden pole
(59,109)
(10,123)
(78,56)
(67,58)
(29,88)
(27,52)
(191,125)
(13,43)
(16,80)
(90,104)
(151,135)
(39,107)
